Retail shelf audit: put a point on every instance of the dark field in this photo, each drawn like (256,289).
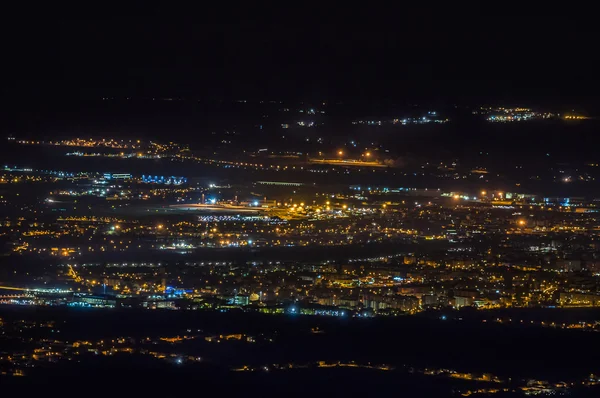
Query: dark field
(467,345)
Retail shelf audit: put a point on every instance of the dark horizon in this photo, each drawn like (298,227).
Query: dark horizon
(541,60)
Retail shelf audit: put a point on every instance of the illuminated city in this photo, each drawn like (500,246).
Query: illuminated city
(334,209)
(275,238)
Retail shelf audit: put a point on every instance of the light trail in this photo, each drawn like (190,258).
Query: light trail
(13,288)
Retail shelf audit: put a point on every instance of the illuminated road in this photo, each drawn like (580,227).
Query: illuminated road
(218,208)
(13,288)
(347,162)
(36,290)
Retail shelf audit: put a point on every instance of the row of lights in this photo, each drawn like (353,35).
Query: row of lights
(367,154)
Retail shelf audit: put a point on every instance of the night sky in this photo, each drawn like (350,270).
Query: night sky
(347,54)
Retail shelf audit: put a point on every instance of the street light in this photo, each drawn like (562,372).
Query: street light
(340,153)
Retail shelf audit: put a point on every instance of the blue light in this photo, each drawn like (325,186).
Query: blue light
(256,203)
(443,317)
